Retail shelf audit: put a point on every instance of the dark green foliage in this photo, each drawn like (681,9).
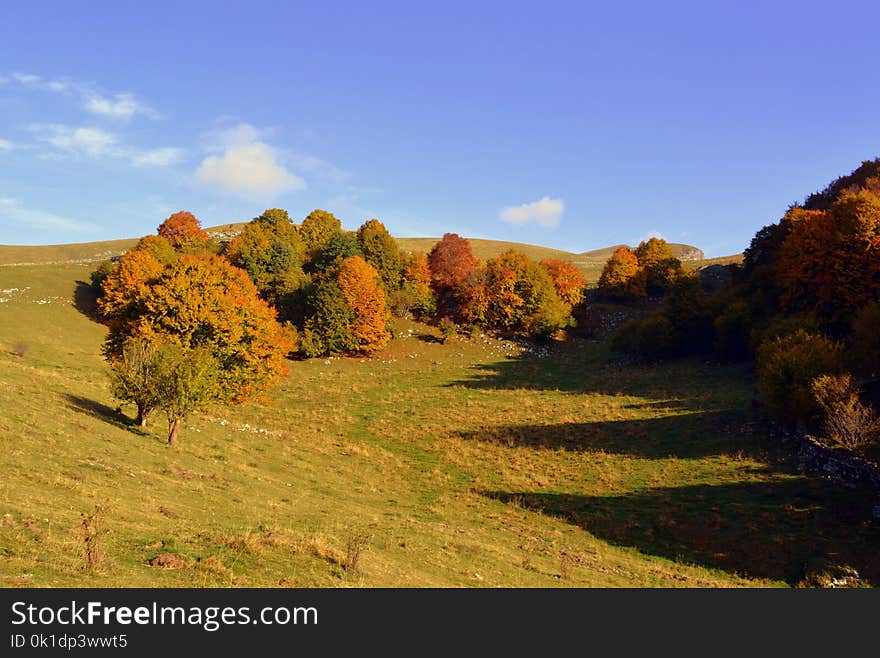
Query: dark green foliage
(651,338)
(104,269)
(787,367)
(381,251)
(340,246)
(316,231)
(327,329)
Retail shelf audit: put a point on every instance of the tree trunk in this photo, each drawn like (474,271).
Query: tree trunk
(143,412)
(174,430)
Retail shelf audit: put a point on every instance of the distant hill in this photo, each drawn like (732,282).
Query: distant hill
(589,262)
(682,251)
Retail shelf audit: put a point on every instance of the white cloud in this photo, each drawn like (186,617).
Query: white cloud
(12,213)
(26,78)
(120,106)
(246,165)
(77,140)
(160,157)
(545,212)
(6,145)
(73,141)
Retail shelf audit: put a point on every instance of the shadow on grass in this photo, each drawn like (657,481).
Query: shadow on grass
(103,412)
(683,436)
(770,529)
(429,338)
(579,366)
(85,300)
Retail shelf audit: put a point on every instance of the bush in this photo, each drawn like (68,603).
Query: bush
(651,338)
(786,369)
(845,420)
(447,329)
(104,270)
(688,310)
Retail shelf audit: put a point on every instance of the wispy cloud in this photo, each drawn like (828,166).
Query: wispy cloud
(118,105)
(245,165)
(16,215)
(6,145)
(84,141)
(77,140)
(545,212)
(160,157)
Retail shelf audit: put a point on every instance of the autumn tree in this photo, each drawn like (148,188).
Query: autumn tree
(205,302)
(184,232)
(522,297)
(567,279)
(415,294)
(381,251)
(450,261)
(829,263)
(361,286)
(127,285)
(269,248)
(622,278)
(316,231)
(349,312)
(158,247)
(659,263)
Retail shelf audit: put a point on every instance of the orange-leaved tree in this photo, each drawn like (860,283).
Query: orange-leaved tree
(361,286)
(622,278)
(660,264)
(128,284)
(451,262)
(183,231)
(203,302)
(567,279)
(829,263)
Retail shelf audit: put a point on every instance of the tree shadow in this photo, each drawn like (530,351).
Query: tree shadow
(85,300)
(103,412)
(770,529)
(682,436)
(428,338)
(580,366)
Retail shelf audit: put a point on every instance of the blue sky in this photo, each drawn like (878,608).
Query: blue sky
(575,125)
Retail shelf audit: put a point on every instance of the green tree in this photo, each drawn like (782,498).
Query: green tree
(135,376)
(187,380)
(316,231)
(381,251)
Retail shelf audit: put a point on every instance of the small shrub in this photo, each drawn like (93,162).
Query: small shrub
(92,530)
(845,420)
(354,548)
(447,329)
(786,369)
(21,349)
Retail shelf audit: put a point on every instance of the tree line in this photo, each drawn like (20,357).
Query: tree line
(192,321)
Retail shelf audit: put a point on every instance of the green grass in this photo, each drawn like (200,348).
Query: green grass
(467,464)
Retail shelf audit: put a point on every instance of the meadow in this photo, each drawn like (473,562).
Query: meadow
(477,462)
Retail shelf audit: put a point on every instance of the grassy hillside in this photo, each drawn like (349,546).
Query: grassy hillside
(683,251)
(474,463)
(590,263)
